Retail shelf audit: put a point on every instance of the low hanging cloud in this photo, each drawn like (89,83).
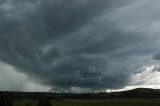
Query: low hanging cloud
(11,80)
(85,45)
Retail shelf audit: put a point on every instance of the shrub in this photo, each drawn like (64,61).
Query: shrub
(28,104)
(44,102)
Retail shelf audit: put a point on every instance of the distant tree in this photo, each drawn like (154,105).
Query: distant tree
(7,99)
(59,99)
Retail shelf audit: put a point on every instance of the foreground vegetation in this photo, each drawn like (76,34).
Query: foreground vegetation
(105,102)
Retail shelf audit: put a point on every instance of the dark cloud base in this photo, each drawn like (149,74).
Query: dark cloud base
(67,44)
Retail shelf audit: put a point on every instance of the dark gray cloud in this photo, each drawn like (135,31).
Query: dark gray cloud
(156,56)
(88,43)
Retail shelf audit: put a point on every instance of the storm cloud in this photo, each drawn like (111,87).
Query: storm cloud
(80,45)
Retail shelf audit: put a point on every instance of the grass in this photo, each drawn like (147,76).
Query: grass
(24,101)
(105,102)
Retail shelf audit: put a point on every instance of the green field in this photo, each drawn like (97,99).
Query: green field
(118,102)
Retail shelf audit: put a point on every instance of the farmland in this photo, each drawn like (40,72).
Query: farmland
(135,97)
(103,102)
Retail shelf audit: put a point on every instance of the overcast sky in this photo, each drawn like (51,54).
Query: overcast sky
(79,45)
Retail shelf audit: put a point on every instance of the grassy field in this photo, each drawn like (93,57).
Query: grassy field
(118,102)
